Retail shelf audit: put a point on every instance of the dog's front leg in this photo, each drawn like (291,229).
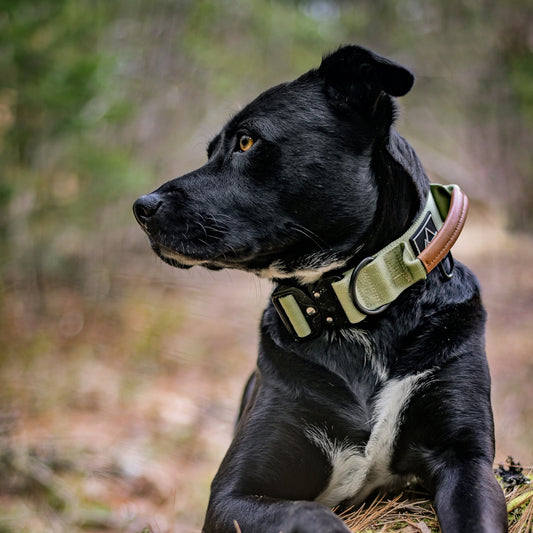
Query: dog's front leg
(272,471)
(468,499)
(229,513)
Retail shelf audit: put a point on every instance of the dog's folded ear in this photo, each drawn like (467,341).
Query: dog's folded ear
(361,76)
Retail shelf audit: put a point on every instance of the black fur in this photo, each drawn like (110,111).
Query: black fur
(326,183)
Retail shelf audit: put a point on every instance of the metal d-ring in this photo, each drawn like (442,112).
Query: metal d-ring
(353,292)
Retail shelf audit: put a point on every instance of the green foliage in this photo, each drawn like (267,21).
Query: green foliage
(49,65)
(58,94)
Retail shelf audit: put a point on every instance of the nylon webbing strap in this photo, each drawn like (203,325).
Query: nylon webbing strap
(396,267)
(379,280)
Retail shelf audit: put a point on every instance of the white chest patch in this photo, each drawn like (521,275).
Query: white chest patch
(357,471)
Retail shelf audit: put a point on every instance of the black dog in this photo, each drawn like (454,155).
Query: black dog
(371,370)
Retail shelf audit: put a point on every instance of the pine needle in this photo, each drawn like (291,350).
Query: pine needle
(401,513)
(410,512)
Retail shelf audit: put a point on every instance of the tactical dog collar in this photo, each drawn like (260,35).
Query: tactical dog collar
(348,298)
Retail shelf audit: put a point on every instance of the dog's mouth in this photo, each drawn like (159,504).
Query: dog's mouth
(179,259)
(266,264)
(173,259)
(236,259)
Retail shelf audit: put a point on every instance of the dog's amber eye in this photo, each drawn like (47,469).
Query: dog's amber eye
(245,143)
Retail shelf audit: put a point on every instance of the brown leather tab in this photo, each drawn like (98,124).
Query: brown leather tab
(441,244)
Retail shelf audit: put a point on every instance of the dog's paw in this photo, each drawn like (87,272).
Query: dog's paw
(306,517)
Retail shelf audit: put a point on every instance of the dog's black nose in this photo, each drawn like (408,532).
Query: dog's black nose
(146,207)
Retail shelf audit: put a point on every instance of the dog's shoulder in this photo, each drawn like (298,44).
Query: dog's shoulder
(449,323)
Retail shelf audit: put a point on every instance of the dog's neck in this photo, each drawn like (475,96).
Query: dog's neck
(410,213)
(344,299)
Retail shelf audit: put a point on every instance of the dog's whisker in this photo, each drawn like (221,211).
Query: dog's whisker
(321,243)
(220,215)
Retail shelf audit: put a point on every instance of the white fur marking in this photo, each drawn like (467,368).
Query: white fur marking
(371,355)
(313,269)
(182,259)
(356,472)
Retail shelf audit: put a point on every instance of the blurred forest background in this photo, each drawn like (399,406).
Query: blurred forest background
(119,376)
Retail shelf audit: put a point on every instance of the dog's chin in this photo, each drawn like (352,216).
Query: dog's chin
(183,261)
(173,262)
(173,258)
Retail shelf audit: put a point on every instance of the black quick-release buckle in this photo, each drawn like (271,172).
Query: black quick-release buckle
(319,307)
(307,306)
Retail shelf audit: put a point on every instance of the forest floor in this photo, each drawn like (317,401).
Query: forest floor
(115,411)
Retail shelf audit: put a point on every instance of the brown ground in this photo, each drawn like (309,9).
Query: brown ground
(116,411)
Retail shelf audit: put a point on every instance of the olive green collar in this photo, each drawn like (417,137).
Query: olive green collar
(346,299)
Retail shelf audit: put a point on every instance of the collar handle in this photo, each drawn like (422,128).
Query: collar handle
(456,210)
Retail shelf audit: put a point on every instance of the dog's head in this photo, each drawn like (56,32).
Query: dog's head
(290,188)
